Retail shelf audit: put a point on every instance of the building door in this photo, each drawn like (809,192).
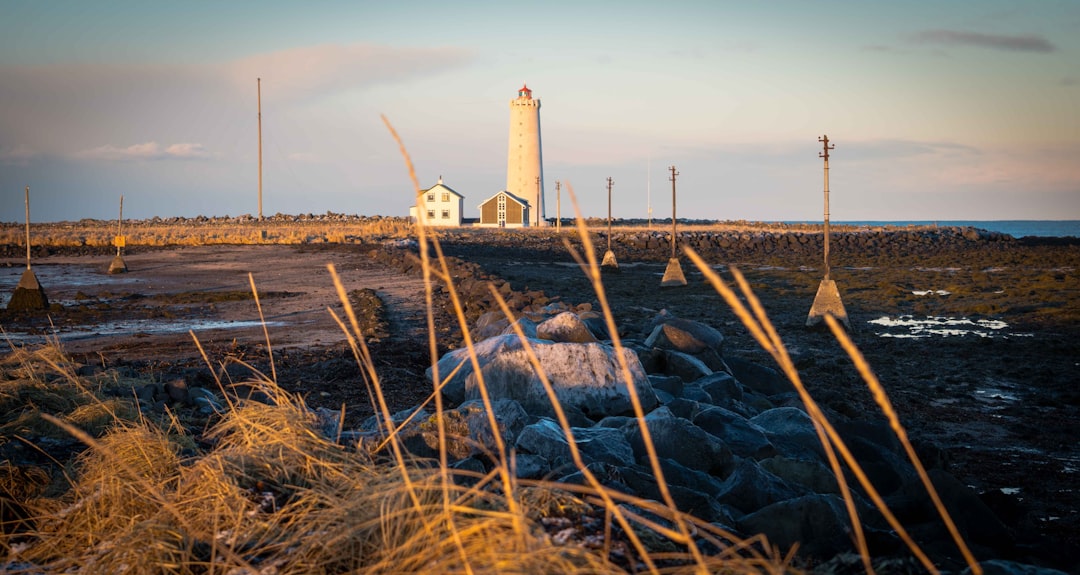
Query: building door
(501,217)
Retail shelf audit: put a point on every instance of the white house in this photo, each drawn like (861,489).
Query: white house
(442,204)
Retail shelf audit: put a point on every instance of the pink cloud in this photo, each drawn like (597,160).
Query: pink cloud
(145,151)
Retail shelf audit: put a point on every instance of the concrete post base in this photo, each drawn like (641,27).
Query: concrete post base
(827,301)
(673,275)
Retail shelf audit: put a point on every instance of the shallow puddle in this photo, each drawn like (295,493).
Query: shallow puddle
(911,327)
(131,328)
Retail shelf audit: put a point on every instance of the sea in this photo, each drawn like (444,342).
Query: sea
(1015,228)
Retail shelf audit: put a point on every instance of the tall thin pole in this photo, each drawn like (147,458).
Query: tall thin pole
(258,83)
(119,222)
(673,218)
(825,155)
(538,201)
(27,227)
(558,207)
(648,189)
(609,184)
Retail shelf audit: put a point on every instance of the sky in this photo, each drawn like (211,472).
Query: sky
(960,110)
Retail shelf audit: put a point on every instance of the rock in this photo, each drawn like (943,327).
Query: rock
(791,431)
(669,383)
(207,401)
(374,422)
(565,327)
(689,337)
(489,324)
(597,325)
(819,524)
(176,390)
(693,392)
(683,335)
(684,366)
(749,488)
(600,444)
(682,441)
(813,476)
(528,327)
(509,416)
(976,522)
(584,375)
(743,438)
(722,387)
(530,466)
(763,379)
(1002,567)
(698,502)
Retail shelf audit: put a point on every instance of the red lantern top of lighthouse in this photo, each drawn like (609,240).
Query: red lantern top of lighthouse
(525,92)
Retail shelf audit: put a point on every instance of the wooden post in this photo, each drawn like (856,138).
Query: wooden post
(609,257)
(827,301)
(119,228)
(118,266)
(609,184)
(673,218)
(825,155)
(28,295)
(27,227)
(558,207)
(673,275)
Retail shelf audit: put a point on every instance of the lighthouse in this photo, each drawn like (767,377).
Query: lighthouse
(525,165)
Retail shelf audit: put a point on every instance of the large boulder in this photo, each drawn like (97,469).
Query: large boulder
(814,476)
(760,378)
(743,438)
(564,327)
(547,439)
(791,431)
(819,524)
(749,488)
(687,336)
(682,441)
(586,376)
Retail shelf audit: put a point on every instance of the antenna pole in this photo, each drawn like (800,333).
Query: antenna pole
(558,207)
(673,218)
(610,183)
(27,227)
(648,189)
(119,222)
(258,84)
(825,155)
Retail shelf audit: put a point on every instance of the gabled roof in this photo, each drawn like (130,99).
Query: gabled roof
(524,203)
(440,187)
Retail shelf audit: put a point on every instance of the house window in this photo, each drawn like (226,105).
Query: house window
(446,196)
(431,214)
(446,214)
(431,197)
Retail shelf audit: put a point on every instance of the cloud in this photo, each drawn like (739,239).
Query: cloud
(19,155)
(312,71)
(1026,43)
(145,151)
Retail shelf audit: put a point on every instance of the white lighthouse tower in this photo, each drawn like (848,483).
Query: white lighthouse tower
(524,160)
